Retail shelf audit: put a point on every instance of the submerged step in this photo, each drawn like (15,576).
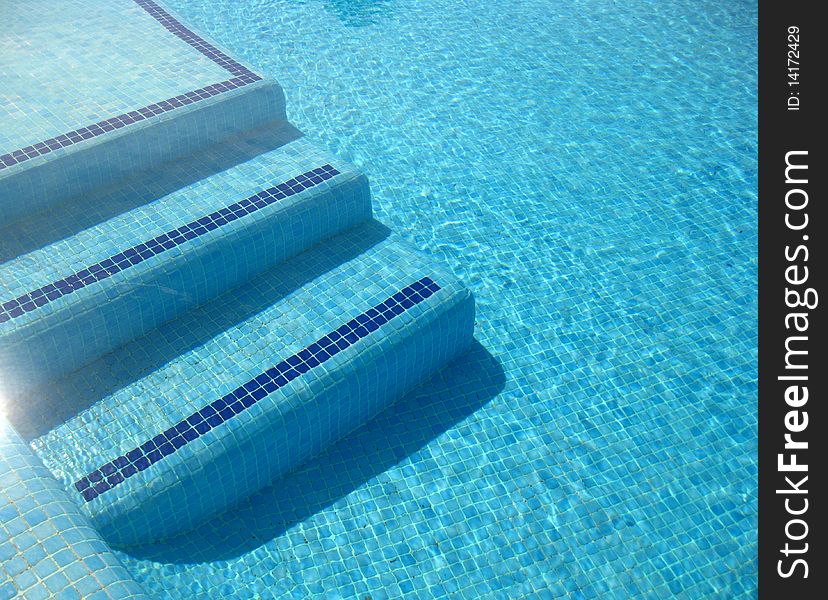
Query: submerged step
(190,419)
(142,89)
(48,548)
(215,220)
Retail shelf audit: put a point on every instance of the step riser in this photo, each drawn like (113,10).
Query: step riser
(112,312)
(267,441)
(36,184)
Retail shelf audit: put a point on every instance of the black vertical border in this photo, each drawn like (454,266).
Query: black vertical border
(782,130)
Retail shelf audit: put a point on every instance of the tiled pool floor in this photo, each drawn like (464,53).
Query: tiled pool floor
(590,171)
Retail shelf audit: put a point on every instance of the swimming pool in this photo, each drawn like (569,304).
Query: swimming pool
(589,171)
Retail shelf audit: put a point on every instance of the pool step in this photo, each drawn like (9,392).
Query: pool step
(90,278)
(48,548)
(189,419)
(204,96)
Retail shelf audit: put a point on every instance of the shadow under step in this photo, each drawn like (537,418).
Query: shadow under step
(122,266)
(185,422)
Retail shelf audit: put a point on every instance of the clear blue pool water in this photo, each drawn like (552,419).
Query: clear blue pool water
(589,170)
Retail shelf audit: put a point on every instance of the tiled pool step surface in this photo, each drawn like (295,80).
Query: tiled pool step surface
(48,548)
(194,417)
(162,92)
(112,277)
(206,303)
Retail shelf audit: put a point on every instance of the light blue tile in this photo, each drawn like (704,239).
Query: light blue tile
(41,561)
(590,171)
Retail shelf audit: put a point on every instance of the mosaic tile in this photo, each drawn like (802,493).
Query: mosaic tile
(48,549)
(166,241)
(12,41)
(194,364)
(153,248)
(589,170)
(246,395)
(163,92)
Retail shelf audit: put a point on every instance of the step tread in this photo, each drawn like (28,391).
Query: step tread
(70,130)
(127,265)
(38,120)
(167,380)
(260,168)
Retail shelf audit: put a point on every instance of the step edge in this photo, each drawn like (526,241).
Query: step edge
(126,506)
(50,173)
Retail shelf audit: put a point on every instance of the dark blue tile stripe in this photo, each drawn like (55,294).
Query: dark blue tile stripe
(241,76)
(243,397)
(159,244)
(177,29)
